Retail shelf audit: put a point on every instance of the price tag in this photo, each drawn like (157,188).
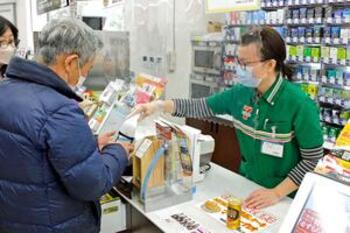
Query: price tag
(336,121)
(302,39)
(317,40)
(328,40)
(309,40)
(336,40)
(324,79)
(331,101)
(338,101)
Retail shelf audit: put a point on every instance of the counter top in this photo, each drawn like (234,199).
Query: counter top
(218,181)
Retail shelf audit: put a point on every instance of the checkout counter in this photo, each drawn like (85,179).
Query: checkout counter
(217,182)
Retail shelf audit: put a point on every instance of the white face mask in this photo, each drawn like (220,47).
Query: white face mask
(80,81)
(6,54)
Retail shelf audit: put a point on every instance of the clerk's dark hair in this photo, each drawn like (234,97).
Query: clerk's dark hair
(4,25)
(272,47)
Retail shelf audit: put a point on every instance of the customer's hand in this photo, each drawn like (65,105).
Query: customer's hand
(105,139)
(262,198)
(148,109)
(128,147)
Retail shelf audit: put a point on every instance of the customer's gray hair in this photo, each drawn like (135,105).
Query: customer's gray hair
(68,36)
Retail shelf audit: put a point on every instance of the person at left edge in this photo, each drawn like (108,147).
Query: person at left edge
(52,172)
(8,43)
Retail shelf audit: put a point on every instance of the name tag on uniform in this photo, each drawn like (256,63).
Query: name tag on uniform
(273,149)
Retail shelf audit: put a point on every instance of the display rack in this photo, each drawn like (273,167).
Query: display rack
(317,33)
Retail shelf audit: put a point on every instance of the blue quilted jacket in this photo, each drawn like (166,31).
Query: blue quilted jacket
(51,171)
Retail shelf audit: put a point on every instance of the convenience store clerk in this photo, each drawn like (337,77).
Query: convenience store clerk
(277,124)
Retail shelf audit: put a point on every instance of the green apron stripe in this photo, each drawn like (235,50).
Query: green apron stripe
(264,138)
(253,131)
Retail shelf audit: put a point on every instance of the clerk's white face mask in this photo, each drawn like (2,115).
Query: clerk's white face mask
(6,54)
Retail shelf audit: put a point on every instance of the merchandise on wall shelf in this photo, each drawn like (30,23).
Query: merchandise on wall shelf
(334,97)
(243,18)
(305,15)
(309,35)
(337,14)
(301,53)
(334,116)
(330,133)
(307,73)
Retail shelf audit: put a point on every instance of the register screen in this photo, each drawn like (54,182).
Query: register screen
(326,210)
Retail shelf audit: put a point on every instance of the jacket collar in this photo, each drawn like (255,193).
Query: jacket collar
(272,93)
(34,72)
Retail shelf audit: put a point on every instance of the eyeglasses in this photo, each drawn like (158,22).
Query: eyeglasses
(6,44)
(244,65)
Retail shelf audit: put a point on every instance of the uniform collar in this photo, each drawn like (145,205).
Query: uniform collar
(273,92)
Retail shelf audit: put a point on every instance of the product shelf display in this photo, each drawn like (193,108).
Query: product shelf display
(317,34)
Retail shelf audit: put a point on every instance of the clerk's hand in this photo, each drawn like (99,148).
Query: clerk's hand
(262,198)
(148,109)
(105,139)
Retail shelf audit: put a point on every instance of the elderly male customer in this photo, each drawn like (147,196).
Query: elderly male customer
(52,170)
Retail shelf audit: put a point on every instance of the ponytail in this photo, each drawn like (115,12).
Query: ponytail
(287,71)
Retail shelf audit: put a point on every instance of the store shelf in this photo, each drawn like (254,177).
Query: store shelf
(303,62)
(302,3)
(333,105)
(273,6)
(335,124)
(307,82)
(338,3)
(329,145)
(304,22)
(336,86)
(335,41)
(338,21)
